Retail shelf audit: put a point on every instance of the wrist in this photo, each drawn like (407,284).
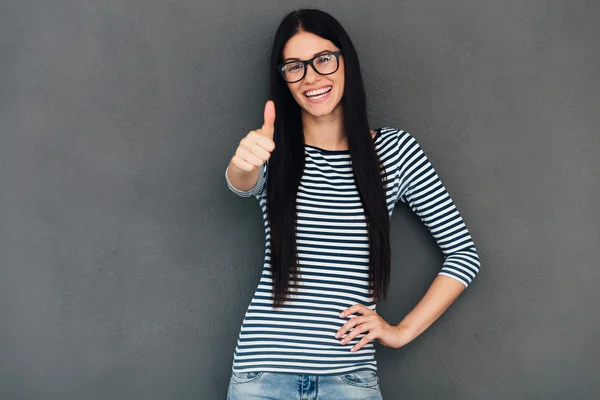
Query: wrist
(406,331)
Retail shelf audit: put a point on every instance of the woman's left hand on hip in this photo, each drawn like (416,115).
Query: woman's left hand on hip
(388,335)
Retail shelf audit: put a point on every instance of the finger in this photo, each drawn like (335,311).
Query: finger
(249,157)
(269,119)
(353,322)
(356,331)
(364,341)
(347,311)
(263,141)
(241,164)
(360,308)
(253,142)
(260,152)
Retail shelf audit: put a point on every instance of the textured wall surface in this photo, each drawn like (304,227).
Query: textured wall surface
(126,265)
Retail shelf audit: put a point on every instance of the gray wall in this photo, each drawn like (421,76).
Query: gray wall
(126,265)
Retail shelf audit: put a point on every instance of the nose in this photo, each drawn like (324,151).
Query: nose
(311,74)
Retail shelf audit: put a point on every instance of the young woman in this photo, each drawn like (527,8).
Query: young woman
(327,185)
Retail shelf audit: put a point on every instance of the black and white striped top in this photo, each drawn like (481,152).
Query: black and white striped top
(333,256)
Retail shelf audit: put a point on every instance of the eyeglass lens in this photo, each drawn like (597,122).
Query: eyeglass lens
(325,64)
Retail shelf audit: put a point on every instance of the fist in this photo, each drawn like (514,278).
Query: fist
(256,147)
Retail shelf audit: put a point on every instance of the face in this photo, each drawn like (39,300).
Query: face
(304,46)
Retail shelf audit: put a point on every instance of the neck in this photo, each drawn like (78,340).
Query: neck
(326,132)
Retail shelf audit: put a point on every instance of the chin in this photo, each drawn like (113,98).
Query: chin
(319,113)
(320,110)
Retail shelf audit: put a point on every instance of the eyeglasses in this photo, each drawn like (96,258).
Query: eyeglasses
(323,64)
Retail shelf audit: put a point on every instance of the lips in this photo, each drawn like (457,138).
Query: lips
(318,91)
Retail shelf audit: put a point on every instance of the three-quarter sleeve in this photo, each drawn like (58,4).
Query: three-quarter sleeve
(258,188)
(421,188)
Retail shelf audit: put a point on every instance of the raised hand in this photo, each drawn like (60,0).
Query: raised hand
(256,147)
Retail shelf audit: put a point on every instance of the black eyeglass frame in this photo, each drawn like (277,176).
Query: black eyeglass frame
(310,62)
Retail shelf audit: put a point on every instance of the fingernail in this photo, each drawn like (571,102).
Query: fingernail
(352,349)
(341,314)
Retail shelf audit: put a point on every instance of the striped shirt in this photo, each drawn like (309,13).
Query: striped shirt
(333,256)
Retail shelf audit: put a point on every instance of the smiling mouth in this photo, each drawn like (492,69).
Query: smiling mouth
(319,94)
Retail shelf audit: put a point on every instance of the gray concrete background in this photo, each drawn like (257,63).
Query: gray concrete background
(126,265)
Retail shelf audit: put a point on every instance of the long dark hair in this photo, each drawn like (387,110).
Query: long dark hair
(286,163)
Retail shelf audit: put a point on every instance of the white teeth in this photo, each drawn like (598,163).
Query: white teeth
(319,91)
(321,96)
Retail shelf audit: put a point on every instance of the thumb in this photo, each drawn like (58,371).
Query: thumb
(269,119)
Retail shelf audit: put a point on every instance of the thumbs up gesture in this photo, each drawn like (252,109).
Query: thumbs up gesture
(256,147)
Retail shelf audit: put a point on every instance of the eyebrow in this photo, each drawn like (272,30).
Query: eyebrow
(297,59)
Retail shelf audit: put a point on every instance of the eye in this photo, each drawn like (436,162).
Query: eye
(325,58)
(294,67)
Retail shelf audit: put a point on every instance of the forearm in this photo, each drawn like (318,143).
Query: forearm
(240,179)
(440,295)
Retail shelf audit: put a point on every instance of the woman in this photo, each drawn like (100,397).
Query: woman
(327,185)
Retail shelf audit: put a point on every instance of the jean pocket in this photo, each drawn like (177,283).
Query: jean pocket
(245,377)
(365,379)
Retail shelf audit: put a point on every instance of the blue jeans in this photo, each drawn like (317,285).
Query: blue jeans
(358,385)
